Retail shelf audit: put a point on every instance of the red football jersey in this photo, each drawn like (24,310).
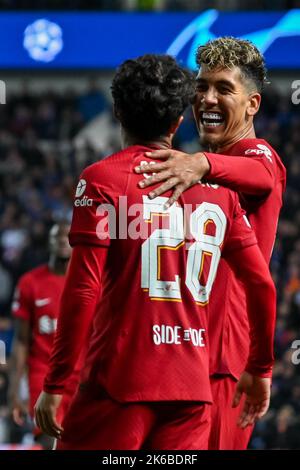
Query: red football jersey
(228,321)
(36,300)
(150,339)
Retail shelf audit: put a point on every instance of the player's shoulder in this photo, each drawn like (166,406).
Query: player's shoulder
(101,165)
(34,275)
(262,148)
(256,148)
(112,165)
(111,176)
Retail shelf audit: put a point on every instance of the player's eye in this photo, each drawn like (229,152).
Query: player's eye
(224,90)
(201,86)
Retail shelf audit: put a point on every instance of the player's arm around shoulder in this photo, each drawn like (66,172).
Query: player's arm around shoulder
(252,171)
(179,171)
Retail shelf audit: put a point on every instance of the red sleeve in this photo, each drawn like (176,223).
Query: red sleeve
(240,234)
(250,267)
(94,214)
(22,305)
(247,175)
(79,299)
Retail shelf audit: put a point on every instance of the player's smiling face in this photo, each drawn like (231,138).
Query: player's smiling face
(224,107)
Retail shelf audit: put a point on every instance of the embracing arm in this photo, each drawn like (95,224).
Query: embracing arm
(246,175)
(181,171)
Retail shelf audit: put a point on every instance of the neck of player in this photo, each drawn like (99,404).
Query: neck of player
(245,133)
(58,265)
(164,142)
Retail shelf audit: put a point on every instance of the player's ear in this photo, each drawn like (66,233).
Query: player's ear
(176,125)
(254,103)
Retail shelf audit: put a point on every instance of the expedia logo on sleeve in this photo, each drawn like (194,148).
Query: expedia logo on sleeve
(260,150)
(85,201)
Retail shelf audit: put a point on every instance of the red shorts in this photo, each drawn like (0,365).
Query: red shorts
(97,422)
(225,434)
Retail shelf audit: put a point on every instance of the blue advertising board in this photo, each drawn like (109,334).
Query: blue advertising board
(55,40)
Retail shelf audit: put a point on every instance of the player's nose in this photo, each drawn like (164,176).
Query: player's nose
(209,97)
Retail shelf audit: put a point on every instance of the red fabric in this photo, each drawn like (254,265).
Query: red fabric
(78,303)
(124,356)
(69,393)
(36,386)
(250,268)
(225,434)
(96,422)
(260,178)
(257,176)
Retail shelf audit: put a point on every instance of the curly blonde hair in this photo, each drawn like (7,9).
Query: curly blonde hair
(229,52)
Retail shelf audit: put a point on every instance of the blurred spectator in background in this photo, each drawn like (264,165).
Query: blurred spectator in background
(35,308)
(92,103)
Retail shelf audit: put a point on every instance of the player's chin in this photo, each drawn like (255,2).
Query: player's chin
(63,257)
(210,139)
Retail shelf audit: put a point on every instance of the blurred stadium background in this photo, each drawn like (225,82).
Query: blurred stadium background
(57,58)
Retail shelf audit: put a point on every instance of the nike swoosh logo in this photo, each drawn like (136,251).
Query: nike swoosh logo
(42,302)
